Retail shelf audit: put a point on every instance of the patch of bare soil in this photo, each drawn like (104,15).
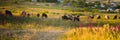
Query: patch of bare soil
(47,35)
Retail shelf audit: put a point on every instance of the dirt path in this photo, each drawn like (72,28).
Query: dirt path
(47,35)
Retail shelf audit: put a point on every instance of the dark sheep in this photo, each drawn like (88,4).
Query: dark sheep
(44,15)
(38,15)
(76,18)
(119,17)
(23,13)
(115,17)
(8,13)
(28,15)
(71,17)
(67,17)
(91,17)
(98,17)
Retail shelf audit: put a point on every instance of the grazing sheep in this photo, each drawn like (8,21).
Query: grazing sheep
(8,13)
(91,17)
(107,17)
(28,15)
(64,17)
(67,17)
(44,15)
(38,15)
(119,17)
(115,17)
(98,17)
(23,13)
(70,17)
(76,18)
(117,10)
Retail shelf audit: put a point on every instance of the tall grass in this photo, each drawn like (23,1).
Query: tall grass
(100,33)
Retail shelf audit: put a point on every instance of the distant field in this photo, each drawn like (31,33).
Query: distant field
(57,13)
(53,28)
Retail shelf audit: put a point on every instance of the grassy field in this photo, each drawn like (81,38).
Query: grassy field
(54,28)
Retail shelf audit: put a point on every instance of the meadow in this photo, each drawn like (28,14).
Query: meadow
(54,28)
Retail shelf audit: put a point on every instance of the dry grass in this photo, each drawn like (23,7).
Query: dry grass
(53,27)
(101,33)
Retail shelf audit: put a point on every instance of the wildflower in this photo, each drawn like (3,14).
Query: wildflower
(118,27)
(81,25)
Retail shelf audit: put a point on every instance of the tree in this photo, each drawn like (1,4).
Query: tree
(75,3)
(81,2)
